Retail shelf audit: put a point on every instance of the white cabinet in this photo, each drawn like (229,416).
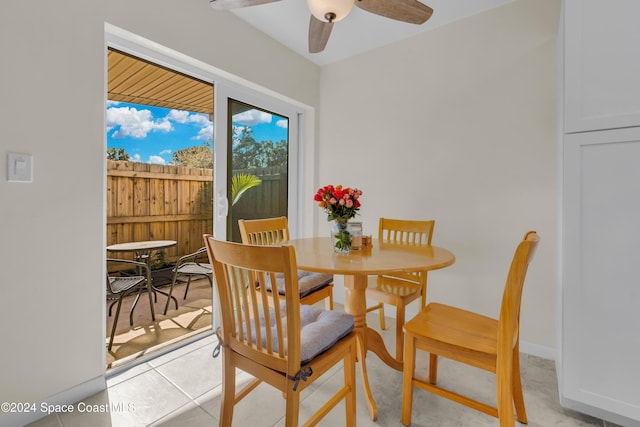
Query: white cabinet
(599,336)
(601,284)
(602,64)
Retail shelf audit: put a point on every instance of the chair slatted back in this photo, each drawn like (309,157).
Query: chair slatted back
(268,231)
(406,232)
(249,323)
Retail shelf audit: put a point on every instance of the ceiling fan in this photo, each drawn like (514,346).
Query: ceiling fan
(325,12)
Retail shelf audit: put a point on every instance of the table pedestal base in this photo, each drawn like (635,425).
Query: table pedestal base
(368,339)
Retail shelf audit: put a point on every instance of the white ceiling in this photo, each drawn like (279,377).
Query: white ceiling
(287,21)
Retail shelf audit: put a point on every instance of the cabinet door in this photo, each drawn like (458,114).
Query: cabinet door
(602,64)
(601,278)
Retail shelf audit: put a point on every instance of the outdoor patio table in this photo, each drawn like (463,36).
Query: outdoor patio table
(316,254)
(142,251)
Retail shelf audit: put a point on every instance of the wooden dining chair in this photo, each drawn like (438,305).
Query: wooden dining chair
(400,288)
(476,340)
(314,287)
(280,342)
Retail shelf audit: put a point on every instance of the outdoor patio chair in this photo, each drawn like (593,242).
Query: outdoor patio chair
(313,287)
(286,345)
(119,287)
(189,266)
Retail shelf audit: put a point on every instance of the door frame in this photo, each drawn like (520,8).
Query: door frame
(302,217)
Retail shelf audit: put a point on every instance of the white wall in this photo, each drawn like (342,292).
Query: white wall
(463,132)
(52,86)
(458,124)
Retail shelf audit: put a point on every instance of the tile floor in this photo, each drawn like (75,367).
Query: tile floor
(182,388)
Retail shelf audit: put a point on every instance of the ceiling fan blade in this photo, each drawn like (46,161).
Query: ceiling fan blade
(411,11)
(319,32)
(236,4)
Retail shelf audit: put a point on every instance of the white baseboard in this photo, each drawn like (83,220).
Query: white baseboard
(66,397)
(599,413)
(538,350)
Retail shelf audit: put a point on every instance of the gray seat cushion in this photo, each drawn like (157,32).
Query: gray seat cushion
(320,329)
(308,282)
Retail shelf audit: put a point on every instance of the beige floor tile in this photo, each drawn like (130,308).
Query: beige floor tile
(195,372)
(189,415)
(264,406)
(147,397)
(183,389)
(48,421)
(206,338)
(125,373)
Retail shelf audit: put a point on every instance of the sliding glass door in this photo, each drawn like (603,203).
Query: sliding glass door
(255,161)
(247,135)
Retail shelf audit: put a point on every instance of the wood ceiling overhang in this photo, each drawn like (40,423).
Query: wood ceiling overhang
(131,79)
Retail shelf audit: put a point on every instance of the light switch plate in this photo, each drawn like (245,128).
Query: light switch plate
(19,167)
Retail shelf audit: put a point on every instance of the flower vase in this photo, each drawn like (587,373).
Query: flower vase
(341,237)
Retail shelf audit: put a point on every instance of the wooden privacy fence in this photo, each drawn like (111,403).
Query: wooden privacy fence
(156,202)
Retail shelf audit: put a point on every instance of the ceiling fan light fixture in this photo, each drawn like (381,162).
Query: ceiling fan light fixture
(330,10)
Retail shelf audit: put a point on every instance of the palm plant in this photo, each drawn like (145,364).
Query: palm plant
(240,183)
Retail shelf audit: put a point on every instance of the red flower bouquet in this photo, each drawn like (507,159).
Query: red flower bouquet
(340,203)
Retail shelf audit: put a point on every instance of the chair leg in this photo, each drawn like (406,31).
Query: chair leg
(173,283)
(111,306)
(504,391)
(518,398)
(350,380)
(187,288)
(407,378)
(433,368)
(399,332)
(115,323)
(383,325)
(292,412)
(150,290)
(328,301)
(133,306)
(228,389)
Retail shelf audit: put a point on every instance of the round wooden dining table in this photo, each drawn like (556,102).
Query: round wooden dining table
(316,254)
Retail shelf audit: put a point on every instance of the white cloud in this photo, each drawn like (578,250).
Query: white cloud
(252,117)
(167,151)
(284,123)
(134,123)
(206,126)
(178,116)
(156,160)
(200,119)
(136,158)
(181,116)
(206,133)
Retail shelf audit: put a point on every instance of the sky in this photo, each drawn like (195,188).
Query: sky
(152,134)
